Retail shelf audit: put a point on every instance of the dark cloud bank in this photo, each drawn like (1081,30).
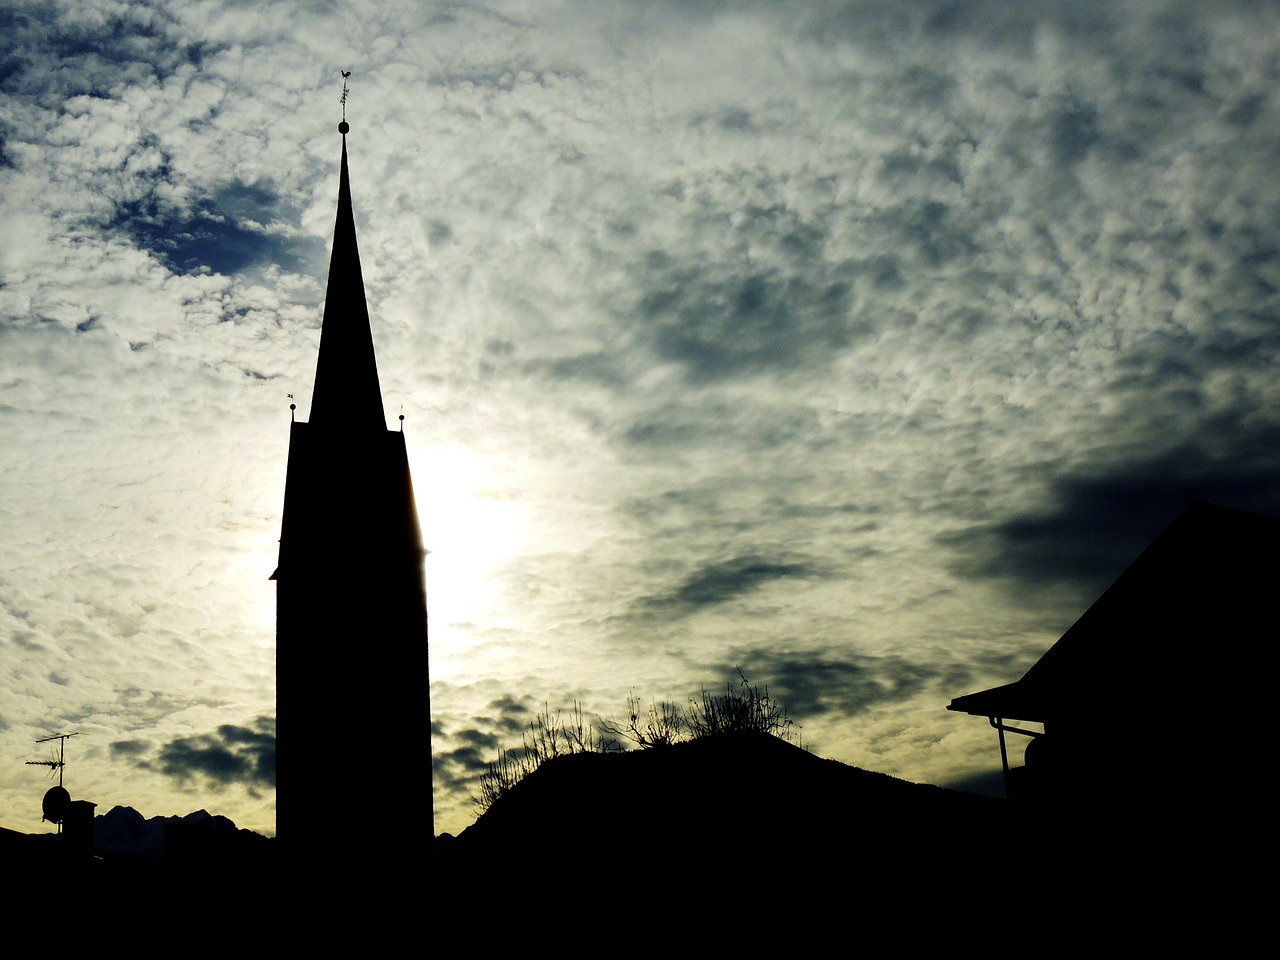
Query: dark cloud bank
(717,583)
(1095,525)
(231,754)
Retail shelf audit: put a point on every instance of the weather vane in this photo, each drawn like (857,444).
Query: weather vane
(346,74)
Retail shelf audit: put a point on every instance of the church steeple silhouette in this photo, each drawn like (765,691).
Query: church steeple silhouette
(353,723)
(346,389)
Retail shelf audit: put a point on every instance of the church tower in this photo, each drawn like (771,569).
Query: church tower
(353,720)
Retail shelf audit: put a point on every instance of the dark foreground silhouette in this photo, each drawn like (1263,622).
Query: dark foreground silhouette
(712,820)
(738,793)
(730,832)
(737,835)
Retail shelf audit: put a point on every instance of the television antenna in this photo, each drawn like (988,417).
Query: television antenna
(56,799)
(54,762)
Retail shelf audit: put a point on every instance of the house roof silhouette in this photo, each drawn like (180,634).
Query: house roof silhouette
(1178,633)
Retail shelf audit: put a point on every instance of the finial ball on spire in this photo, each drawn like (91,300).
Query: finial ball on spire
(343,127)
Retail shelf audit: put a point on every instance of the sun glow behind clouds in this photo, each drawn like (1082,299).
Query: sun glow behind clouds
(472,525)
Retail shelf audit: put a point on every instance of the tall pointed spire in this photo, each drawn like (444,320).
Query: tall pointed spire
(351,606)
(346,392)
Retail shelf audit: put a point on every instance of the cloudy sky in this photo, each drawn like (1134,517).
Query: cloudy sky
(855,344)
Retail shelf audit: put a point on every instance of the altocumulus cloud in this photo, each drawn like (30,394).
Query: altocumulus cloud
(460,757)
(805,329)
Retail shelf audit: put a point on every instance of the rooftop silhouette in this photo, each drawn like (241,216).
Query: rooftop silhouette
(1155,677)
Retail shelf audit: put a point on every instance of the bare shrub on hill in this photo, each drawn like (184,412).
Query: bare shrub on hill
(661,725)
(546,737)
(742,710)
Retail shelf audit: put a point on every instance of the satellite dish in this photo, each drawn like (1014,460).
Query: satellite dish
(56,803)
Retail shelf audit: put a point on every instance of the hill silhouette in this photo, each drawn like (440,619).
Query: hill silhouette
(746,832)
(735,801)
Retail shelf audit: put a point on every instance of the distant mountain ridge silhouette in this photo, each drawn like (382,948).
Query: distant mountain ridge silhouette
(197,838)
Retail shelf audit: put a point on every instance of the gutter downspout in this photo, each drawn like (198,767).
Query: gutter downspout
(998,724)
